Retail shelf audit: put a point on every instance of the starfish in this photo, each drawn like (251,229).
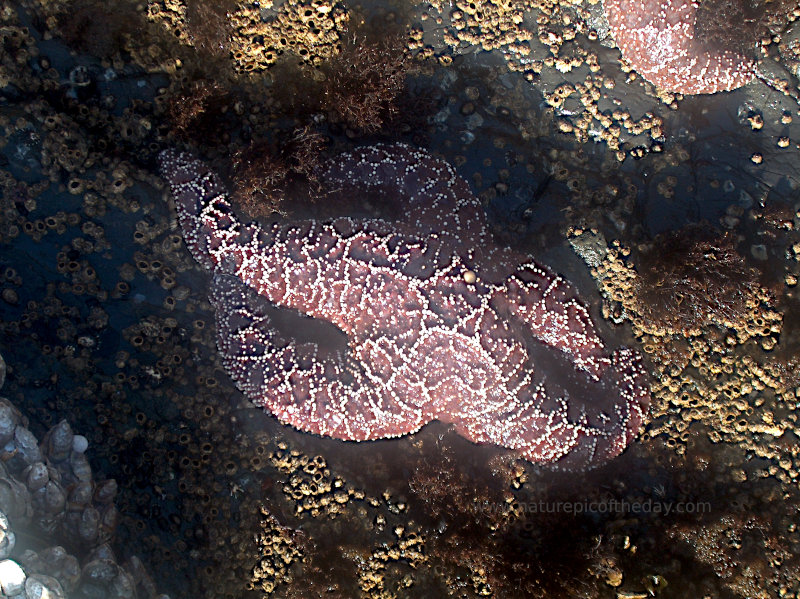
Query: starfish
(441,322)
(661,41)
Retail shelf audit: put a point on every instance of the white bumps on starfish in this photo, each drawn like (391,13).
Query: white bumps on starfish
(441,322)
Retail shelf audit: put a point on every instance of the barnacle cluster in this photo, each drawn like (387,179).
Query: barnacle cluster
(310,31)
(310,485)
(555,45)
(719,361)
(58,519)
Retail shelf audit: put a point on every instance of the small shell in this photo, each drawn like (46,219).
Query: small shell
(106,491)
(40,586)
(7,537)
(36,476)
(80,466)
(89,525)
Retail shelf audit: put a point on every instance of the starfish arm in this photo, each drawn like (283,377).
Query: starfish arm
(566,432)
(329,397)
(555,413)
(549,308)
(435,198)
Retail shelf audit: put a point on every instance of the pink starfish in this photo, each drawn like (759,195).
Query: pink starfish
(661,40)
(442,323)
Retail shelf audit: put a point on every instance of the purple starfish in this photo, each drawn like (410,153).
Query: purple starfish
(441,322)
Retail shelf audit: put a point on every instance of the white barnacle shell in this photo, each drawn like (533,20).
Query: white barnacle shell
(80,466)
(12,578)
(106,491)
(79,444)
(7,537)
(41,586)
(57,443)
(9,419)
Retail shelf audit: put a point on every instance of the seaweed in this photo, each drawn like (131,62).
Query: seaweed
(694,276)
(198,111)
(97,27)
(208,26)
(362,88)
(264,173)
(364,81)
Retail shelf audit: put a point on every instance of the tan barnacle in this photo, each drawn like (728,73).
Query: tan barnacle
(756,121)
(75,186)
(10,296)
